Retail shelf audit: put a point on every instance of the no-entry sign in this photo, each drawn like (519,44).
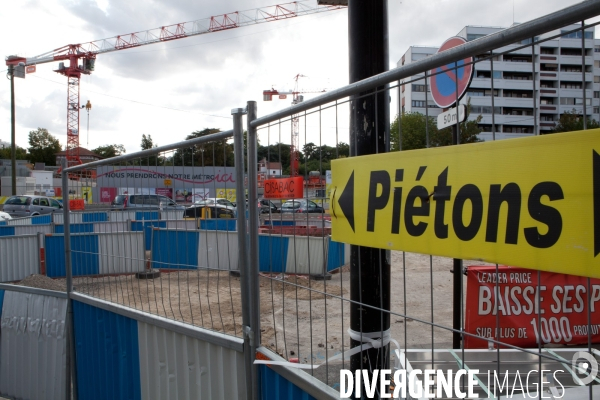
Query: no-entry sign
(450,82)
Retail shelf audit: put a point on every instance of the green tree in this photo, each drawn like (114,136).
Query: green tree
(21,153)
(573,121)
(43,147)
(219,153)
(415,125)
(277,152)
(110,150)
(148,144)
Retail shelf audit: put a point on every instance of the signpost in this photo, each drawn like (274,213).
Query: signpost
(532,202)
(449,83)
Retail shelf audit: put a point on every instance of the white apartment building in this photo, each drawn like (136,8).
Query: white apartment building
(532,87)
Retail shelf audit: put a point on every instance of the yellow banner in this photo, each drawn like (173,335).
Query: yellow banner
(532,202)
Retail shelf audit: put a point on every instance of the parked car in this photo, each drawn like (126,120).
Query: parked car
(301,206)
(208,202)
(4,216)
(267,206)
(144,202)
(208,211)
(219,201)
(25,206)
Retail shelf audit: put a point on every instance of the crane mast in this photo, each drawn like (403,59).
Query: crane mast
(87,52)
(296,99)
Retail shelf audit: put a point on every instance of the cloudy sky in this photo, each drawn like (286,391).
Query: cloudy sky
(169,90)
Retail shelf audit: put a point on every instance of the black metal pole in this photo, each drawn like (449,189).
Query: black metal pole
(457,281)
(369,134)
(13,146)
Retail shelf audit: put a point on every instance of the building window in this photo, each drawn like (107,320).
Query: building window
(518,93)
(485,110)
(488,128)
(497,74)
(570,68)
(473,36)
(596,94)
(570,52)
(528,41)
(517,129)
(517,111)
(577,35)
(517,58)
(570,85)
(574,101)
(418,103)
(418,88)
(482,92)
(518,77)
(596,110)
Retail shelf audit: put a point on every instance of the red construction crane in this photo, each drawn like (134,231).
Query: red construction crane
(296,98)
(87,52)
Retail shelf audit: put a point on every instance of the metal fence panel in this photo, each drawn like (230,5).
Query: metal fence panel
(307,255)
(174,249)
(84,255)
(36,220)
(107,354)
(177,366)
(121,252)
(19,257)
(33,364)
(24,230)
(218,250)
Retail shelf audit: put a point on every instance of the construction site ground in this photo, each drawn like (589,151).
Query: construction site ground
(296,322)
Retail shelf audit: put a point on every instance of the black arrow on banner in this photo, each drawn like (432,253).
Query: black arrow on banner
(346,201)
(596,199)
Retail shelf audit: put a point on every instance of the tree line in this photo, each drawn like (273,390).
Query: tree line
(411,130)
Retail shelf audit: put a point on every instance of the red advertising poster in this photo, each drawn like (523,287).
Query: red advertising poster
(165,192)
(107,194)
(511,294)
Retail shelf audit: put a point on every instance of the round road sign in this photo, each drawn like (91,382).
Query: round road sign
(450,82)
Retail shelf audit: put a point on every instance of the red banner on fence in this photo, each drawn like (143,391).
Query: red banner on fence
(511,294)
(284,188)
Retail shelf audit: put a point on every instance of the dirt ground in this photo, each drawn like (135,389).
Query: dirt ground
(297,319)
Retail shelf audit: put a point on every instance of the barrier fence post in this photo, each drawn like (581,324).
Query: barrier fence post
(254,284)
(71,378)
(244,266)
(41,252)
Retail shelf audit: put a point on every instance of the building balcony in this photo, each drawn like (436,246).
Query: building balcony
(512,66)
(575,60)
(575,76)
(548,75)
